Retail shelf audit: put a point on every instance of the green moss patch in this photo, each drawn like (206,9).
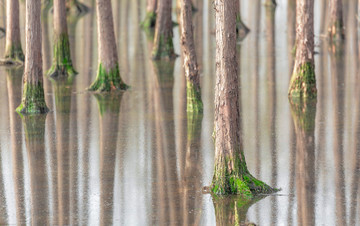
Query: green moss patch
(303,82)
(149,21)
(194,102)
(164,48)
(14,52)
(33,101)
(107,81)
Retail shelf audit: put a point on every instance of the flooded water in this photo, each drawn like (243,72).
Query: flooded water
(137,159)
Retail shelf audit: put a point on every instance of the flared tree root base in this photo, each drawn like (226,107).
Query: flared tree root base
(33,101)
(13,55)
(303,82)
(194,102)
(108,81)
(77,8)
(2,32)
(164,49)
(149,21)
(241,29)
(270,3)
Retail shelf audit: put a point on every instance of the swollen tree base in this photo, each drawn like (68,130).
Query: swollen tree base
(62,64)
(149,21)
(164,49)
(33,100)
(303,82)
(241,29)
(108,81)
(77,7)
(2,32)
(270,3)
(194,102)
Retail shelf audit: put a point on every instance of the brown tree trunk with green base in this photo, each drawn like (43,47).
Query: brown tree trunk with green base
(76,7)
(194,102)
(241,29)
(150,18)
(108,76)
(336,27)
(13,51)
(62,64)
(33,101)
(163,42)
(231,175)
(303,80)
(270,3)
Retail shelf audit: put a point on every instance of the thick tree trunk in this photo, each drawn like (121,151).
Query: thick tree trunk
(194,102)
(303,81)
(62,64)
(13,50)
(163,43)
(241,29)
(108,77)
(231,175)
(336,27)
(33,101)
(150,19)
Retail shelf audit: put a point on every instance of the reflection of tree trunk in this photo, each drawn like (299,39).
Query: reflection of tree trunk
(3,209)
(303,114)
(14,82)
(34,127)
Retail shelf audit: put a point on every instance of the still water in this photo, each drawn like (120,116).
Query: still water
(137,159)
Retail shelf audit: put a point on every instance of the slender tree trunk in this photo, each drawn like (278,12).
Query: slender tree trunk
(303,81)
(231,175)
(62,64)
(150,18)
(194,102)
(163,43)
(108,77)
(241,29)
(336,27)
(13,50)
(33,101)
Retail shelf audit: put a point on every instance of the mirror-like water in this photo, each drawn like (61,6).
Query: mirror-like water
(138,159)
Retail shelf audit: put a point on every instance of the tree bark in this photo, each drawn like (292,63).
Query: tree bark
(336,27)
(163,43)
(231,175)
(150,19)
(13,50)
(33,101)
(194,102)
(108,77)
(303,81)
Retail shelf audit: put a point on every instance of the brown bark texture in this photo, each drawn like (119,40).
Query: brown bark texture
(60,23)
(151,6)
(336,28)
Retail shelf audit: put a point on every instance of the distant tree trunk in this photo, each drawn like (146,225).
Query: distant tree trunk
(150,18)
(241,29)
(336,27)
(108,77)
(194,102)
(76,7)
(231,175)
(303,80)
(62,64)
(33,101)
(163,43)
(270,3)
(13,50)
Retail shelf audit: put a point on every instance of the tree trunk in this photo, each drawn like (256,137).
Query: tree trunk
(336,27)
(13,50)
(231,175)
(33,101)
(62,64)
(108,77)
(150,18)
(194,102)
(241,29)
(303,81)
(163,44)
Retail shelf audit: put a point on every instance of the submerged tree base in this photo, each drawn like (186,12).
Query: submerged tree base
(77,7)
(108,81)
(14,54)
(336,31)
(62,64)
(33,100)
(194,102)
(303,82)
(241,29)
(270,3)
(164,49)
(149,21)
(2,32)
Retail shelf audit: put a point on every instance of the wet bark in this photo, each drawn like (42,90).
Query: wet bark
(336,27)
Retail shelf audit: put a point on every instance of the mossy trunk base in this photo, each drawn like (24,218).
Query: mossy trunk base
(108,81)
(149,21)
(241,29)
(270,3)
(194,102)
(76,7)
(33,101)
(164,49)
(62,64)
(13,55)
(303,82)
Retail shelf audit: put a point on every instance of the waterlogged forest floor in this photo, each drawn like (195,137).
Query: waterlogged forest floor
(137,158)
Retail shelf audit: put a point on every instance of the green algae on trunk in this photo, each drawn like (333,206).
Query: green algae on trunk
(303,82)
(107,81)
(149,21)
(164,48)
(33,100)
(62,64)
(14,53)
(194,102)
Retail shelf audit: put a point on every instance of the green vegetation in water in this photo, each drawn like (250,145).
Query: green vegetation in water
(62,64)
(33,100)
(164,48)
(108,81)
(303,82)
(149,21)
(193,96)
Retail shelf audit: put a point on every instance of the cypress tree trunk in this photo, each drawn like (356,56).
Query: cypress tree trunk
(13,50)
(231,175)
(194,102)
(62,64)
(336,26)
(108,77)
(303,81)
(33,101)
(241,29)
(150,18)
(163,43)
